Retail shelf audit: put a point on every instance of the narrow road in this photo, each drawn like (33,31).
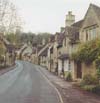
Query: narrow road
(26,84)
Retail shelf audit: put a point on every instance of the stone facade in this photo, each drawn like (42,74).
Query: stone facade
(89,31)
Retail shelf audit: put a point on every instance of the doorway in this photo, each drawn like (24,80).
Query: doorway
(79,70)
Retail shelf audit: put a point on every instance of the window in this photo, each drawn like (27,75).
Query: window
(59,53)
(69,68)
(86,34)
(65,42)
(91,33)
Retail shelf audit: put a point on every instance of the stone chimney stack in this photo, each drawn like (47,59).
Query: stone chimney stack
(62,29)
(70,19)
(43,41)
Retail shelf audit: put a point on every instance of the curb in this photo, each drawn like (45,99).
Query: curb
(8,69)
(48,80)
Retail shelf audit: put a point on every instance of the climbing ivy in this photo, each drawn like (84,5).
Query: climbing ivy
(89,52)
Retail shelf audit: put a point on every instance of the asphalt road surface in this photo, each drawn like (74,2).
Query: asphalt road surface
(26,84)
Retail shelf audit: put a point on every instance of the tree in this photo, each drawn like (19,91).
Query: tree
(9,19)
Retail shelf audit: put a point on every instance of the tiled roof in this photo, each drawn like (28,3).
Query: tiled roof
(34,50)
(10,47)
(39,48)
(52,38)
(60,38)
(72,33)
(63,56)
(78,24)
(44,53)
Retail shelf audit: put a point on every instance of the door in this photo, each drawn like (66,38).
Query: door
(79,70)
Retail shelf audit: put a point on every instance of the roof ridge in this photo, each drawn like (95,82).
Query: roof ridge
(94,5)
(96,10)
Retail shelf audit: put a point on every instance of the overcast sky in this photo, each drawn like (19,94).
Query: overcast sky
(49,15)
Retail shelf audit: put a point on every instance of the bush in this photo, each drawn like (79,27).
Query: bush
(69,77)
(88,87)
(89,80)
(97,62)
(87,52)
(96,89)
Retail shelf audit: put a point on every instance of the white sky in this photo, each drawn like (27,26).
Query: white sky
(49,15)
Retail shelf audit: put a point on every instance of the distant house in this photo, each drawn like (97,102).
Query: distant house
(26,53)
(42,56)
(67,35)
(9,53)
(34,56)
(51,53)
(39,53)
(3,50)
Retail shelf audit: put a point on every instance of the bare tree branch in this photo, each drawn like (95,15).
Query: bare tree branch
(9,18)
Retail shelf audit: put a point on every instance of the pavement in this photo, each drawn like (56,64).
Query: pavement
(26,84)
(7,69)
(70,93)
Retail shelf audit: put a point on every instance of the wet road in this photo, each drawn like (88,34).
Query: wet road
(26,84)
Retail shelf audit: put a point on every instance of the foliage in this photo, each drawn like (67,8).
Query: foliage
(34,39)
(13,38)
(2,52)
(92,88)
(96,89)
(97,61)
(9,18)
(69,77)
(29,38)
(2,49)
(88,87)
(87,52)
(89,80)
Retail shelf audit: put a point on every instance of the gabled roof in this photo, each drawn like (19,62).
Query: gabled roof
(34,50)
(52,38)
(10,48)
(40,53)
(63,56)
(60,38)
(39,47)
(91,19)
(96,9)
(72,33)
(44,53)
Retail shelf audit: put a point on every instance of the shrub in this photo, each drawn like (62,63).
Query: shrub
(87,52)
(88,87)
(97,62)
(89,80)
(69,77)
(96,89)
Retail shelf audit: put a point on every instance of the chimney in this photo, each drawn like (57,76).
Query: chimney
(70,19)
(43,41)
(62,29)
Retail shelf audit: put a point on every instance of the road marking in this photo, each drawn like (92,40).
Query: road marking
(60,97)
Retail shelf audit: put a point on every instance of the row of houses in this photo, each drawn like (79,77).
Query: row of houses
(8,54)
(56,55)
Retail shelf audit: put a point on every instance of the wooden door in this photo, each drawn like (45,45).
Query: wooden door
(79,70)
